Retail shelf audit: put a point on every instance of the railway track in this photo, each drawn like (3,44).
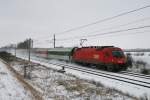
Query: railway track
(135,74)
(104,74)
(109,75)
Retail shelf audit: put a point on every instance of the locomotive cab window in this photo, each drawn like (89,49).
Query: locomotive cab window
(118,54)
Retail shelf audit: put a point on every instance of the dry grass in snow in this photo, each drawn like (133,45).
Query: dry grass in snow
(60,86)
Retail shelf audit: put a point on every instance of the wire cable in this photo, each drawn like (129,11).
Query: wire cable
(111,35)
(105,33)
(103,20)
(99,21)
(113,27)
(126,24)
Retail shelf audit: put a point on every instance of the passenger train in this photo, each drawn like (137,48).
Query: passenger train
(109,58)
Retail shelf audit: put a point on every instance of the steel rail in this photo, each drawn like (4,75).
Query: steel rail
(98,73)
(136,75)
(104,75)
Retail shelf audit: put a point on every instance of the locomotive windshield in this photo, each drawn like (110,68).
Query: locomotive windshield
(118,54)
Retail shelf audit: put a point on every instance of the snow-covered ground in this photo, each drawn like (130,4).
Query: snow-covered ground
(125,87)
(122,86)
(73,85)
(10,88)
(141,60)
(55,85)
(143,56)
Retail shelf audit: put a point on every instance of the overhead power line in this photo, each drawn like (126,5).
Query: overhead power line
(126,24)
(111,35)
(109,28)
(103,20)
(133,33)
(105,33)
(99,21)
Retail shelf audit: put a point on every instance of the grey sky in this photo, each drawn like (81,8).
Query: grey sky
(40,19)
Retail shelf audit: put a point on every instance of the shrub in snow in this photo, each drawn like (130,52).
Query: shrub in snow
(6,56)
(129,59)
(142,54)
(145,71)
(140,62)
(144,97)
(139,54)
(140,66)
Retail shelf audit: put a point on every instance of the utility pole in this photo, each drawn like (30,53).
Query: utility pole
(29,48)
(31,43)
(54,40)
(15,50)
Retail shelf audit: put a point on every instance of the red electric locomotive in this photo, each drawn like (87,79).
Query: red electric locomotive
(109,57)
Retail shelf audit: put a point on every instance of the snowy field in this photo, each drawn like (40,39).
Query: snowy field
(145,57)
(125,87)
(10,88)
(141,60)
(122,86)
(58,86)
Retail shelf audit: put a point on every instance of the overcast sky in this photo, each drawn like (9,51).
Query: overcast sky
(40,19)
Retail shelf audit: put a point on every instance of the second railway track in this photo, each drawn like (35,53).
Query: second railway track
(135,74)
(109,75)
(104,74)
